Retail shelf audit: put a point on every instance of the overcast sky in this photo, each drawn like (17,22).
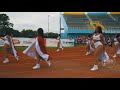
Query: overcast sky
(34,20)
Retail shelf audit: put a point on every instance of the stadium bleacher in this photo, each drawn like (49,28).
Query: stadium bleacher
(78,22)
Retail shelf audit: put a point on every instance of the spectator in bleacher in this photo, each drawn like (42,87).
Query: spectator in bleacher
(117,46)
(109,42)
(90,45)
(77,39)
(83,40)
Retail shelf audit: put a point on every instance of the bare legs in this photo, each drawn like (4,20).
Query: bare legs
(97,52)
(37,66)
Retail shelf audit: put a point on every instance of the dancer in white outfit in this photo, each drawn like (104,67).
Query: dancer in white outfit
(37,50)
(90,45)
(117,46)
(59,45)
(99,43)
(9,47)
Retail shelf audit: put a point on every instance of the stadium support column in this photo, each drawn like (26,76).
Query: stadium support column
(60,22)
(48,24)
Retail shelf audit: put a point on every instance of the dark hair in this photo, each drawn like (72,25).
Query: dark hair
(99,29)
(59,35)
(40,32)
(117,35)
(89,35)
(8,33)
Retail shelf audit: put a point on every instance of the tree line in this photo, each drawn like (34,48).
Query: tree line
(5,25)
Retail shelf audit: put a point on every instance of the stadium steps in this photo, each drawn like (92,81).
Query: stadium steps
(111,17)
(90,20)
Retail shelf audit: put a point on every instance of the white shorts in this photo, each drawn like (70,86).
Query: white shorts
(97,44)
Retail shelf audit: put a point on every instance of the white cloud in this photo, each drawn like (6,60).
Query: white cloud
(34,20)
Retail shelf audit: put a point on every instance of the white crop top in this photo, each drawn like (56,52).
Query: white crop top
(96,37)
(6,40)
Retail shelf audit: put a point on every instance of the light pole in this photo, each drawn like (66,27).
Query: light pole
(48,24)
(60,23)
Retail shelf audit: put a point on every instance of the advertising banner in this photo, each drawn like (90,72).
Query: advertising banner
(48,42)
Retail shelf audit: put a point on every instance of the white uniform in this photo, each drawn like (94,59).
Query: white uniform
(97,37)
(6,41)
(89,42)
(118,49)
(103,56)
(60,42)
(32,54)
(13,48)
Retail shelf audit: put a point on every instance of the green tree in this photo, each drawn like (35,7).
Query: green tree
(51,35)
(16,33)
(28,33)
(5,24)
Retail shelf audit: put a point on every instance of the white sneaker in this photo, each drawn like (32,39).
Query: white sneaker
(17,58)
(95,67)
(37,66)
(104,64)
(6,60)
(58,50)
(49,63)
(87,53)
(114,56)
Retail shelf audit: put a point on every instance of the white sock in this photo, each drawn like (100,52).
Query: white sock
(6,58)
(96,65)
(37,64)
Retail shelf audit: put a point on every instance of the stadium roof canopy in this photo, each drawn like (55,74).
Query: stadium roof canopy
(82,13)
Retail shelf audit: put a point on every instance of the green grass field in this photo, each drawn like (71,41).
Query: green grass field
(0,48)
(21,48)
